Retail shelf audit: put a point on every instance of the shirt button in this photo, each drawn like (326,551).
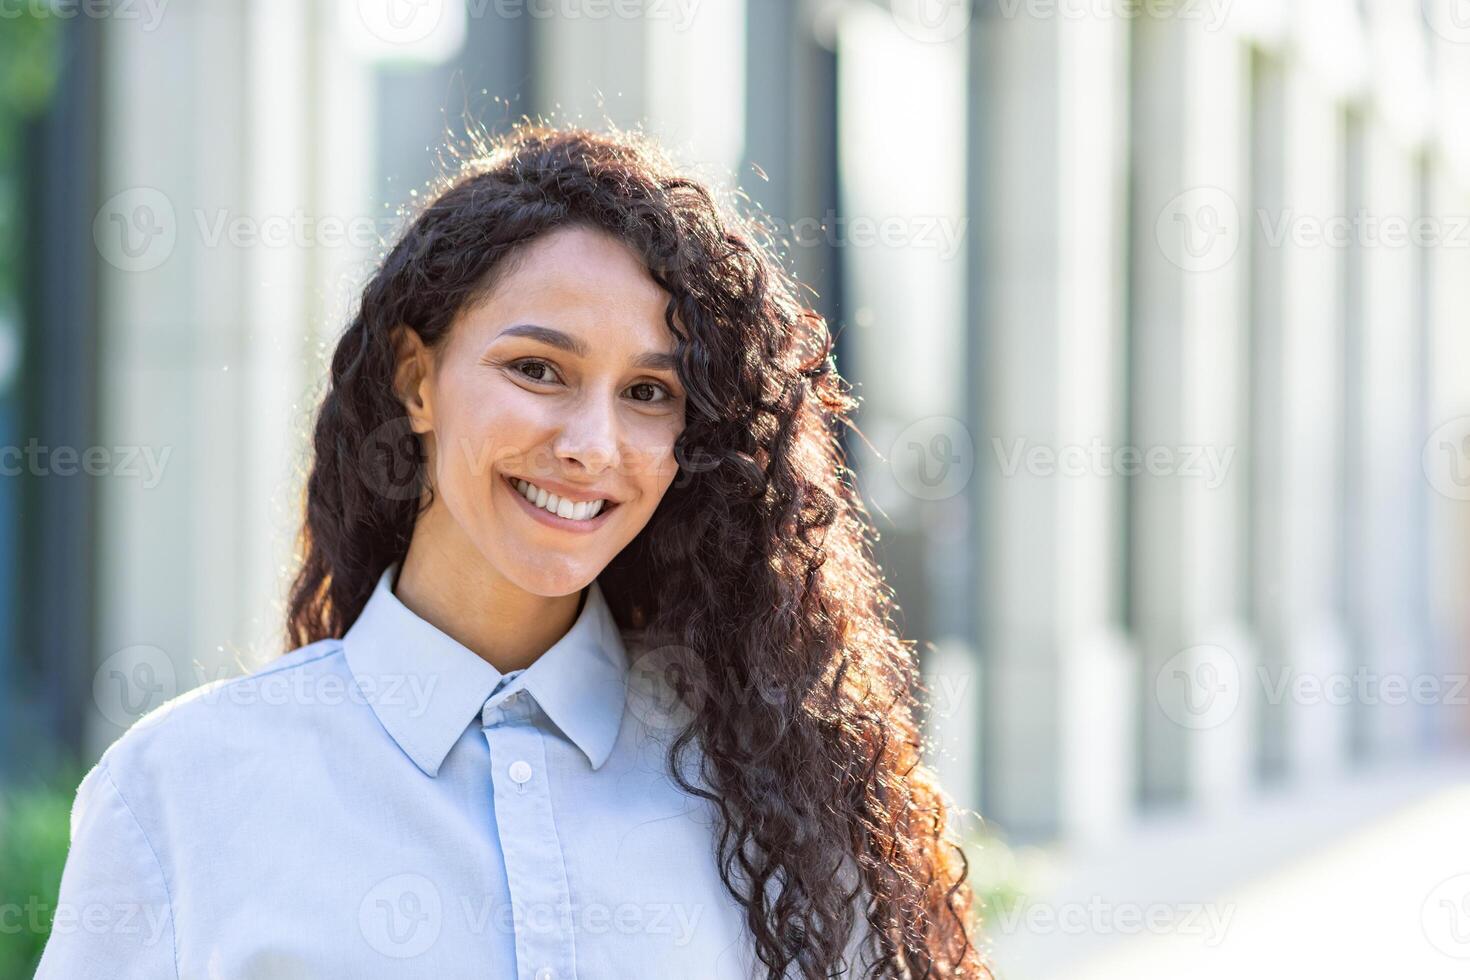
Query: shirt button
(545,973)
(520,771)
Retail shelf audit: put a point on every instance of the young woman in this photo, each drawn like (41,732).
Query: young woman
(592,672)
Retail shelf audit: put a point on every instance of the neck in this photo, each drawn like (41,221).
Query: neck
(506,626)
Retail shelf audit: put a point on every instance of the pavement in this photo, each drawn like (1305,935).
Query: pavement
(1366,874)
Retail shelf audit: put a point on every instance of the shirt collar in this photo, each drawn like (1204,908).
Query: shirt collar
(426,687)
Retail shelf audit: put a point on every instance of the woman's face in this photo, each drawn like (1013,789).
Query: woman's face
(562,379)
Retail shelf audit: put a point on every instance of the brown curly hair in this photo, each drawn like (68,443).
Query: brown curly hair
(759,556)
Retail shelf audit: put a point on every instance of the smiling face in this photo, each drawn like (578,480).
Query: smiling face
(560,387)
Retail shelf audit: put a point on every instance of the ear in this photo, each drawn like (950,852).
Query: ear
(411,377)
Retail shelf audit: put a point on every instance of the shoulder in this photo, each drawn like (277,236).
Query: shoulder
(113,904)
(167,794)
(224,722)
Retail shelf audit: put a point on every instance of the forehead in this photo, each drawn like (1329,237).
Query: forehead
(582,281)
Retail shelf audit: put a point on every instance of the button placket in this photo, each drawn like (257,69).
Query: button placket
(534,863)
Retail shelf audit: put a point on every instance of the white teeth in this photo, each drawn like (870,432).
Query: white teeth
(582,511)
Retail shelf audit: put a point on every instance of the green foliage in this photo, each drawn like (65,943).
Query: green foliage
(35,820)
(29,56)
(1000,875)
(35,832)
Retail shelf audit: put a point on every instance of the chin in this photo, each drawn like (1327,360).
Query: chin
(553,575)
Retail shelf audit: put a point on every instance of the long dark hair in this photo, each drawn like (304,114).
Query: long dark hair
(759,557)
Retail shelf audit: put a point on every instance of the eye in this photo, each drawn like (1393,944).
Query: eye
(652,386)
(541,372)
(535,363)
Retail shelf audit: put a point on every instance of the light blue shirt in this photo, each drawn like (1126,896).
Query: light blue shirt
(389,804)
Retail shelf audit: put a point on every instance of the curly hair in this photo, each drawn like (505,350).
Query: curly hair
(759,556)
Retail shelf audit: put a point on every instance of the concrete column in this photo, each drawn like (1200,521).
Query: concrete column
(1188,382)
(1048,120)
(591,71)
(696,86)
(1390,443)
(1389,548)
(790,115)
(171,543)
(227,235)
(903,237)
(1299,239)
(1445,464)
(677,71)
(310,113)
(1446,453)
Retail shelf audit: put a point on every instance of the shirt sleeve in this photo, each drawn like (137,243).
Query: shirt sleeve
(113,917)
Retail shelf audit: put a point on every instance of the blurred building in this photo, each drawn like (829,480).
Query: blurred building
(1155,309)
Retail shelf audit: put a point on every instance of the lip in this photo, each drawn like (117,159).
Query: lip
(546,517)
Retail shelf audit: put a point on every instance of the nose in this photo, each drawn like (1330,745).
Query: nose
(589,436)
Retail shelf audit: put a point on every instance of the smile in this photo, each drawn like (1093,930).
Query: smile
(556,511)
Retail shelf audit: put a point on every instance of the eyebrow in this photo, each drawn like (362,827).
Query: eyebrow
(651,360)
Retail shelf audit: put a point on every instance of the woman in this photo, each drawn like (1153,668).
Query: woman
(591,672)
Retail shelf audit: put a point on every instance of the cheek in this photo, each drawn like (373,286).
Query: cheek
(652,456)
(476,433)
